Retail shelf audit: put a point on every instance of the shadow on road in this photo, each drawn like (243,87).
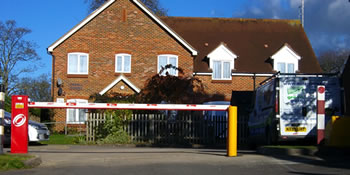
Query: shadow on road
(320,159)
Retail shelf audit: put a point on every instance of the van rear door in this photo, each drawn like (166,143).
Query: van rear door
(297,107)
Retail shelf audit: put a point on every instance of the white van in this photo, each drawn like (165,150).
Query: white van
(285,107)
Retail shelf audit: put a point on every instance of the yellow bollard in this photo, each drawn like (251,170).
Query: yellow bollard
(232,132)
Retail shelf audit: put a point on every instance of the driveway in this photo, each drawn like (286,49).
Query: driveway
(86,160)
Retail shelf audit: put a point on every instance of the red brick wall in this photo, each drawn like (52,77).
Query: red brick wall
(223,89)
(107,34)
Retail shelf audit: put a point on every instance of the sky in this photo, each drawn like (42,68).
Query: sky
(327,22)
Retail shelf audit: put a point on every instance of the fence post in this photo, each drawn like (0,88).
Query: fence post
(2,117)
(232,132)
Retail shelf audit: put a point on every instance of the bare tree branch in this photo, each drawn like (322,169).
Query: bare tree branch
(331,61)
(14,50)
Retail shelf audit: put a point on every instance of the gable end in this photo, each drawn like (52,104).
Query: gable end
(138,4)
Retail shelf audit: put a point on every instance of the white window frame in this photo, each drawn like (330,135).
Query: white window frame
(77,112)
(78,67)
(168,62)
(222,70)
(286,66)
(123,63)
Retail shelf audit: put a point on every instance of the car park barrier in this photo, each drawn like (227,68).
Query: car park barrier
(232,124)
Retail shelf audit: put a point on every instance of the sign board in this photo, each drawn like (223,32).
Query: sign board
(19,124)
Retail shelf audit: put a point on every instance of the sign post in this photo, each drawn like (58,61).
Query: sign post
(19,124)
(321,90)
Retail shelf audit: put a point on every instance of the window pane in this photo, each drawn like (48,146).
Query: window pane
(291,68)
(71,115)
(119,63)
(227,70)
(281,67)
(82,115)
(172,61)
(217,70)
(73,63)
(127,63)
(162,61)
(83,64)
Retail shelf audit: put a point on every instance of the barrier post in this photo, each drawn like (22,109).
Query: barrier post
(2,117)
(19,124)
(232,132)
(321,90)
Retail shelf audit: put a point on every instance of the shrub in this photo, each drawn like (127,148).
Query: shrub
(112,132)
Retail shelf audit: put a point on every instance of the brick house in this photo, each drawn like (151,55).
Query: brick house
(122,44)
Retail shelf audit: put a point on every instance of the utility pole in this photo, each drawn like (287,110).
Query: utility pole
(301,13)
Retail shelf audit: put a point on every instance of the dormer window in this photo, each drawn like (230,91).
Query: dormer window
(286,60)
(221,61)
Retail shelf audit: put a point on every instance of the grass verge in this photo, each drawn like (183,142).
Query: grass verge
(10,161)
(60,139)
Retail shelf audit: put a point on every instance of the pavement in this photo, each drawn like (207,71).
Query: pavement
(77,159)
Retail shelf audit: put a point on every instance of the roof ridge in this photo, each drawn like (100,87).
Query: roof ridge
(297,21)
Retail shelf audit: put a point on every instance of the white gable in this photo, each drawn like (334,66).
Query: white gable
(221,53)
(286,55)
(120,78)
(106,5)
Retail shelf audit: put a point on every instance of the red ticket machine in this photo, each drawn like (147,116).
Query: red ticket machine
(19,124)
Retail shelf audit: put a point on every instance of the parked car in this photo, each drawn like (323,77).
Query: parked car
(36,131)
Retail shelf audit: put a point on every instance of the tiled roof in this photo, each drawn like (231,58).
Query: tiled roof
(254,41)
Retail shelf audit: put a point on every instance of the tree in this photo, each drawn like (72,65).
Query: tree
(38,89)
(151,4)
(173,89)
(332,61)
(14,50)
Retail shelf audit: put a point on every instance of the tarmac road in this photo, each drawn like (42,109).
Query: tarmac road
(91,160)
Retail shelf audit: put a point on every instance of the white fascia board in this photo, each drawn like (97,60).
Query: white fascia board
(224,48)
(167,28)
(202,73)
(289,50)
(80,25)
(235,74)
(120,78)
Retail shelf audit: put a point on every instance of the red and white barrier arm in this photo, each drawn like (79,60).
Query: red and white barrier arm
(181,107)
